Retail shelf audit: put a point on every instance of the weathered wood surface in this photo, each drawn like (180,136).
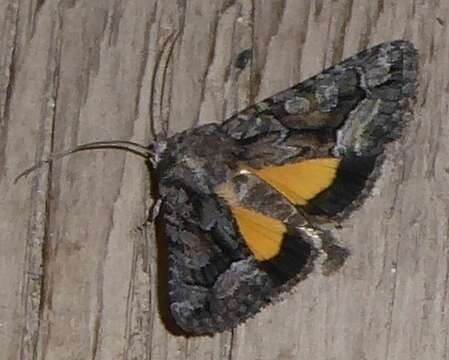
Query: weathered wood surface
(77,277)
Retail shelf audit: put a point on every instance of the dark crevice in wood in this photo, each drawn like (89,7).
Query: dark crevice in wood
(341,32)
(35,15)
(365,35)
(445,297)
(99,303)
(225,6)
(274,25)
(379,11)
(252,87)
(5,110)
(113,18)
(303,34)
(129,304)
(46,291)
(231,344)
(210,59)
(139,255)
(37,253)
(318,9)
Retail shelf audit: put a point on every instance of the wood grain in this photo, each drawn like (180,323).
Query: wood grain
(78,277)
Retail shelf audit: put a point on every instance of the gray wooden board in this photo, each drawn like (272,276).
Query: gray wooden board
(78,277)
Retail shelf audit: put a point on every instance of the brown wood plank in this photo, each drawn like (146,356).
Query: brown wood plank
(78,277)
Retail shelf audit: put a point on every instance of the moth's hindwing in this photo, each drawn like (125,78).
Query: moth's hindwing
(242,202)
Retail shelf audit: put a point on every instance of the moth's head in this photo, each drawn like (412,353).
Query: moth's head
(157,149)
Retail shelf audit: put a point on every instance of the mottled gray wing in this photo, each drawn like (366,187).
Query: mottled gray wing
(349,111)
(214,282)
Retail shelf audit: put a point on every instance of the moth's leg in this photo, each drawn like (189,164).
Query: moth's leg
(154,210)
(152,216)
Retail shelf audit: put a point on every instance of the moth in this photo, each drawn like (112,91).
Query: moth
(245,205)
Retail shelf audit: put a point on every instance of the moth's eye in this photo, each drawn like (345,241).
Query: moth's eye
(240,178)
(305,150)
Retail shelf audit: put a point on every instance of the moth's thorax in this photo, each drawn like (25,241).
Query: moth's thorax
(159,148)
(200,158)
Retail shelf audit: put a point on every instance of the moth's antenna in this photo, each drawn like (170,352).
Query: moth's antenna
(153,86)
(164,76)
(129,146)
(170,46)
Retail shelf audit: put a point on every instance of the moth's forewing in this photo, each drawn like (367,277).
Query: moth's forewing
(240,200)
(349,111)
